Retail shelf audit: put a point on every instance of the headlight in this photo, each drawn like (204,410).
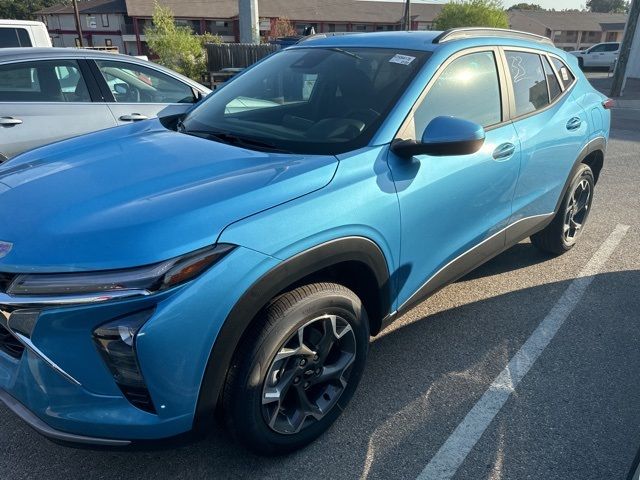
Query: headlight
(151,278)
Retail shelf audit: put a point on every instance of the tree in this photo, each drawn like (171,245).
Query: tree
(525,6)
(176,46)
(283,28)
(608,6)
(472,13)
(25,9)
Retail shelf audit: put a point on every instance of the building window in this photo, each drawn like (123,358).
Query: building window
(105,20)
(108,42)
(78,42)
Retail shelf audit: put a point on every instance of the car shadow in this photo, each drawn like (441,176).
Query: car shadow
(421,380)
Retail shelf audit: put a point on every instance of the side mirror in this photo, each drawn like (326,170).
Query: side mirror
(443,136)
(121,88)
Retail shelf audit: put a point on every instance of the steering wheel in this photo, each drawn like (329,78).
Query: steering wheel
(366,115)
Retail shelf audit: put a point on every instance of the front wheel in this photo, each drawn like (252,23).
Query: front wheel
(297,368)
(566,227)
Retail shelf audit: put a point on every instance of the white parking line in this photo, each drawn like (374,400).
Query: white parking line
(452,453)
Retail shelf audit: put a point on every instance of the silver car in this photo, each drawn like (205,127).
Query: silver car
(48,94)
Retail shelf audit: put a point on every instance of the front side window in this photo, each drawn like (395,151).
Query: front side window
(598,49)
(45,81)
(529,82)
(131,83)
(467,88)
(611,47)
(309,100)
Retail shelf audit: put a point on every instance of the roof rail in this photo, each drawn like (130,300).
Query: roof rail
(472,32)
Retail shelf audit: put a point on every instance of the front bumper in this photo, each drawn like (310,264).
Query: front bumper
(44,429)
(61,386)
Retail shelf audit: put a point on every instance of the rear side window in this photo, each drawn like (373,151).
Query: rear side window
(467,88)
(566,77)
(552,81)
(529,82)
(45,81)
(611,47)
(14,37)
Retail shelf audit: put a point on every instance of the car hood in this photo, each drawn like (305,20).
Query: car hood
(137,194)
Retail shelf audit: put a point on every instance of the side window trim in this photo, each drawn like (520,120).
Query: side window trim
(106,94)
(509,83)
(407,126)
(551,56)
(90,81)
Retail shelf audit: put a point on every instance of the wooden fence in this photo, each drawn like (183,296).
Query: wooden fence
(236,55)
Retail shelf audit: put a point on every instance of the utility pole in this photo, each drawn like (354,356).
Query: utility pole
(407,15)
(249,21)
(78,27)
(625,50)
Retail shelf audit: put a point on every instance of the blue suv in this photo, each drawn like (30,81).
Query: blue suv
(237,259)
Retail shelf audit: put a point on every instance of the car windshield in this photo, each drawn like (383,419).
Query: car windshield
(308,100)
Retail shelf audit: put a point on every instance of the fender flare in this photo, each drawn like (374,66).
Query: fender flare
(286,273)
(594,145)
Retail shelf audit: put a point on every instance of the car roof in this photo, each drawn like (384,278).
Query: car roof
(4,22)
(35,53)
(432,40)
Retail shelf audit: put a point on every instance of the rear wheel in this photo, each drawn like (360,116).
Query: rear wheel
(297,368)
(563,232)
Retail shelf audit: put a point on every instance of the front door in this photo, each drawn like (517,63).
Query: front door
(136,92)
(451,204)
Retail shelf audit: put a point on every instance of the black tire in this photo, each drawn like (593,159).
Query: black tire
(309,309)
(555,238)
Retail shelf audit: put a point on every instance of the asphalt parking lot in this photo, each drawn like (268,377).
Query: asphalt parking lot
(429,403)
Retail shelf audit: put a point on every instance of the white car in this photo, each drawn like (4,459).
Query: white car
(48,94)
(23,33)
(600,55)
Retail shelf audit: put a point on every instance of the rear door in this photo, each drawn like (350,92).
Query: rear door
(44,101)
(551,126)
(135,92)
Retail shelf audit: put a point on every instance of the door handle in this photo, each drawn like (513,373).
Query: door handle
(574,123)
(9,121)
(133,117)
(504,150)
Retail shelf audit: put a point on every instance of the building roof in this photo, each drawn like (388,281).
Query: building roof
(338,11)
(87,6)
(569,21)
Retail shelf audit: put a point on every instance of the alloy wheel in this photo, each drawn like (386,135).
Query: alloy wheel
(308,374)
(577,211)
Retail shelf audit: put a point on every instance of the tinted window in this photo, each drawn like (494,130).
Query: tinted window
(566,77)
(46,81)
(529,83)
(23,37)
(598,49)
(309,100)
(611,47)
(552,81)
(9,38)
(467,88)
(131,83)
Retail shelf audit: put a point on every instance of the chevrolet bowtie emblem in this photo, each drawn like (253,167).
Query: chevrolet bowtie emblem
(5,248)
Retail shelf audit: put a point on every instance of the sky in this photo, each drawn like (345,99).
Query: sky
(549,4)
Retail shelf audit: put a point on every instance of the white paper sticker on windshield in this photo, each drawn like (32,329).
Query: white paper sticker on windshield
(565,75)
(402,59)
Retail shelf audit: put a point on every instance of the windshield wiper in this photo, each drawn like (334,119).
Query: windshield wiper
(237,140)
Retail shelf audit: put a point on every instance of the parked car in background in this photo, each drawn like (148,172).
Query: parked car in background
(23,33)
(600,55)
(55,93)
(238,258)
